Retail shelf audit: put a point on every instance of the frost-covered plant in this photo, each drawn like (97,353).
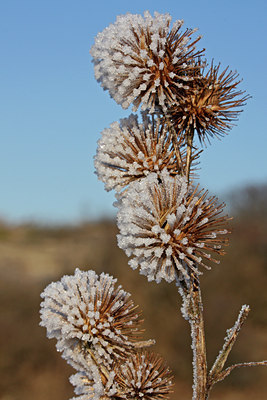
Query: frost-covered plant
(168,227)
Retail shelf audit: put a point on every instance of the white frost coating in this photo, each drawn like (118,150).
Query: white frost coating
(137,59)
(87,310)
(129,151)
(161,227)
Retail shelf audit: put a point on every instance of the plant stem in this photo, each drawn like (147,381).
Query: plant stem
(190,137)
(198,345)
(174,137)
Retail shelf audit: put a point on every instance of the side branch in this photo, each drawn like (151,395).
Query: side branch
(227,371)
(228,344)
(217,373)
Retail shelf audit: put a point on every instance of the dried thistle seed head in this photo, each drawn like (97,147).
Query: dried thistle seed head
(129,151)
(211,105)
(88,311)
(142,60)
(144,376)
(169,230)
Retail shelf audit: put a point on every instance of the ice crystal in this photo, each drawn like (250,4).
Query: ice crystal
(212,104)
(86,311)
(144,376)
(168,228)
(143,60)
(128,151)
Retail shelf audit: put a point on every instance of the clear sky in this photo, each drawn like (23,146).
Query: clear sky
(52,110)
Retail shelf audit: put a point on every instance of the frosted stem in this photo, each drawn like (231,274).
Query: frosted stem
(192,310)
(223,374)
(174,136)
(198,346)
(228,343)
(217,373)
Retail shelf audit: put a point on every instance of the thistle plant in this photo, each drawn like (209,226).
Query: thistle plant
(171,228)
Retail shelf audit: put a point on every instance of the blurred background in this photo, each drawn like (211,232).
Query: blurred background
(54,215)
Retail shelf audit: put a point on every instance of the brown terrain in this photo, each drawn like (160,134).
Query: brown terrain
(31,256)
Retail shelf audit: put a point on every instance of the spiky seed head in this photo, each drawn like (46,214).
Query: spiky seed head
(211,105)
(129,151)
(169,229)
(144,376)
(142,60)
(86,311)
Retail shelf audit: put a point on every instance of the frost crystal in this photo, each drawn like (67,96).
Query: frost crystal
(142,60)
(85,312)
(130,151)
(167,228)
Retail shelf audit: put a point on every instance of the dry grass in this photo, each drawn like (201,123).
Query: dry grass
(31,256)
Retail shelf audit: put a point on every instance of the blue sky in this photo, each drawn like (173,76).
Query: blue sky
(52,110)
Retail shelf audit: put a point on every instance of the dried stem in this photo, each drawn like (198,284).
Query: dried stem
(174,136)
(144,343)
(192,310)
(217,373)
(228,344)
(199,346)
(227,371)
(190,138)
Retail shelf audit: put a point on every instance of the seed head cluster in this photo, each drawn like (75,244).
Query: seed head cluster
(169,228)
(144,375)
(97,327)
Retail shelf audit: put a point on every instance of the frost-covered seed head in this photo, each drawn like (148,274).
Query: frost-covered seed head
(142,60)
(167,229)
(211,105)
(86,311)
(129,151)
(144,376)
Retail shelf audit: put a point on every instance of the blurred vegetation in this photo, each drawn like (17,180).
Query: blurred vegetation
(32,256)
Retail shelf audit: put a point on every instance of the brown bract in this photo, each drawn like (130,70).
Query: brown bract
(211,105)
